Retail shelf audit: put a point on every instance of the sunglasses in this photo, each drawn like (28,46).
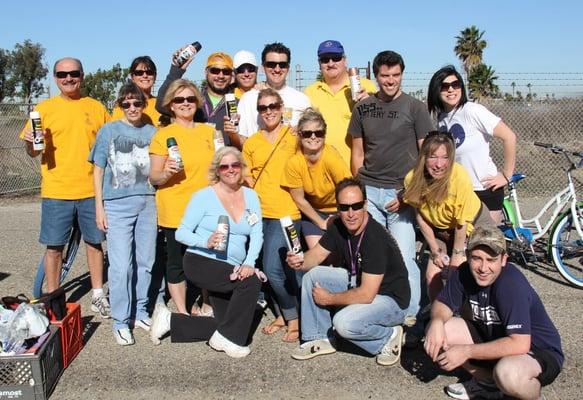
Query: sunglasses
(126,104)
(326,59)
(273,64)
(226,167)
(63,74)
(355,206)
(246,68)
(180,99)
(308,134)
(142,72)
(216,71)
(454,85)
(273,107)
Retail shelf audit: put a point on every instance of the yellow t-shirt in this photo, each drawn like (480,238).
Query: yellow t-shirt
(461,206)
(276,202)
(337,110)
(71,128)
(197,151)
(318,180)
(151,115)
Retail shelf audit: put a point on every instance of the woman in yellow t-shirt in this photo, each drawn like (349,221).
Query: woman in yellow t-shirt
(447,206)
(312,175)
(177,183)
(266,153)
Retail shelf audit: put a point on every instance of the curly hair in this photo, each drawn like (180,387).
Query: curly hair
(213,174)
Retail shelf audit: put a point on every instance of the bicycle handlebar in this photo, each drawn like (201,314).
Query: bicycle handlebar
(558,149)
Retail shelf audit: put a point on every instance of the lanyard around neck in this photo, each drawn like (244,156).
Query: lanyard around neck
(354,258)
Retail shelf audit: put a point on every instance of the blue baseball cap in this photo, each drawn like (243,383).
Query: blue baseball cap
(330,47)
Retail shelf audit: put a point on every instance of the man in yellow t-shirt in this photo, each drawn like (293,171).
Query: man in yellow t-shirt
(333,96)
(70,124)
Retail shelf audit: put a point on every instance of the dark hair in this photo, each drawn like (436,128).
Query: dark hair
(143,60)
(275,47)
(350,182)
(130,90)
(434,103)
(388,58)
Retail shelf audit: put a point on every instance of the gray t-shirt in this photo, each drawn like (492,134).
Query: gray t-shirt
(390,131)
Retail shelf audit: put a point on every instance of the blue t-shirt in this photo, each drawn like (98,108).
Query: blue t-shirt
(122,150)
(200,221)
(509,306)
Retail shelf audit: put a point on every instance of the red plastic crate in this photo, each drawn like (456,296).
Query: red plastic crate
(71,333)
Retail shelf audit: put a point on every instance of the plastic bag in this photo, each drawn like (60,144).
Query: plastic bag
(27,321)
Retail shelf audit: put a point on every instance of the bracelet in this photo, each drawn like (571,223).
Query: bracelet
(505,177)
(458,251)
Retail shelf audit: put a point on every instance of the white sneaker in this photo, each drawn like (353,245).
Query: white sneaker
(123,336)
(144,324)
(160,323)
(391,352)
(473,389)
(221,343)
(100,305)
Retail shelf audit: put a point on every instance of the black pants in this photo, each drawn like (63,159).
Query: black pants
(233,302)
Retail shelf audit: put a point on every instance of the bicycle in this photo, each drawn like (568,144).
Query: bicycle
(564,246)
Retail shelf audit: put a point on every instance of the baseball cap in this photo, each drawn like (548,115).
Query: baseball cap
(244,57)
(491,237)
(330,47)
(219,58)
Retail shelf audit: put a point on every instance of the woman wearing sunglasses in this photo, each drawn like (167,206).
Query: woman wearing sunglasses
(266,153)
(473,128)
(447,207)
(229,273)
(126,211)
(176,184)
(312,174)
(143,74)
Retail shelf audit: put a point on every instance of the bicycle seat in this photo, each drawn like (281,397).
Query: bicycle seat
(517,177)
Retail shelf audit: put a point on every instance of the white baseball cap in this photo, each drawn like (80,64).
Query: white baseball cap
(244,57)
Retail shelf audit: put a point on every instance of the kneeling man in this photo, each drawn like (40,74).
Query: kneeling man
(366,300)
(503,337)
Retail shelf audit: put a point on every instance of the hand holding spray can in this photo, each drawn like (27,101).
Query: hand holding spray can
(354,82)
(223,229)
(187,53)
(231,106)
(173,152)
(292,238)
(38,142)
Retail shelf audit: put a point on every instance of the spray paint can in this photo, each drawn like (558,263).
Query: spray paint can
(223,229)
(38,141)
(187,53)
(218,140)
(231,106)
(173,151)
(354,82)
(291,235)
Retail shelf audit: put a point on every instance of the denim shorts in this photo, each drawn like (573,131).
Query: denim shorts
(58,216)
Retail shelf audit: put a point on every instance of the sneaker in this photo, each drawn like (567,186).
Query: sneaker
(160,323)
(313,349)
(391,352)
(410,320)
(473,389)
(123,336)
(144,324)
(101,305)
(220,343)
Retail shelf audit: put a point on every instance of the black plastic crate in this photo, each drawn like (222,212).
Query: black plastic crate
(33,377)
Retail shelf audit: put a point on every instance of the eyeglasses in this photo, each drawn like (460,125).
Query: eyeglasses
(226,167)
(325,59)
(355,206)
(308,134)
(273,64)
(180,99)
(216,71)
(142,72)
(63,74)
(454,85)
(126,104)
(246,68)
(273,107)
(445,135)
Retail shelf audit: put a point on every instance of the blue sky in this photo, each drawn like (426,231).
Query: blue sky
(523,36)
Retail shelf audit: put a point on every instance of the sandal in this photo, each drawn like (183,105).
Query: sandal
(272,328)
(291,336)
(197,311)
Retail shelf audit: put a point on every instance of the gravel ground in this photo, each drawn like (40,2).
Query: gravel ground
(104,370)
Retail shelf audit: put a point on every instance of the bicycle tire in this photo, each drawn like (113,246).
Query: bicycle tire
(68,259)
(566,248)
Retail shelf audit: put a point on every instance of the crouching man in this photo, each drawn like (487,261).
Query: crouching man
(503,337)
(364,301)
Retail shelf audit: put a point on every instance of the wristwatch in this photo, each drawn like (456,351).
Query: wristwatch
(458,251)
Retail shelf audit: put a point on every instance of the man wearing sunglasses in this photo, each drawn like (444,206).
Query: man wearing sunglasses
(333,97)
(367,295)
(275,59)
(70,123)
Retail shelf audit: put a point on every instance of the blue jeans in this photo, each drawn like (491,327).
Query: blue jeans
(401,226)
(283,280)
(368,326)
(57,217)
(131,248)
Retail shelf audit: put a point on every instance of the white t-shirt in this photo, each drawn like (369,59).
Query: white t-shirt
(472,127)
(294,103)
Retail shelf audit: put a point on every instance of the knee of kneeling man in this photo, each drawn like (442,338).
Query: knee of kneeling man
(506,374)
(344,326)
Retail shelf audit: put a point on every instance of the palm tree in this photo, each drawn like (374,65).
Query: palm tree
(513,84)
(469,48)
(481,82)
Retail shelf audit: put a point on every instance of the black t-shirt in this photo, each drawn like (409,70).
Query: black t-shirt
(378,254)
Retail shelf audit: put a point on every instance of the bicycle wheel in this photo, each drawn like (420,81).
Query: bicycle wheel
(566,248)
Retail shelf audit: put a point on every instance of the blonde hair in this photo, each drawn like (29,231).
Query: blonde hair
(310,114)
(177,86)
(213,174)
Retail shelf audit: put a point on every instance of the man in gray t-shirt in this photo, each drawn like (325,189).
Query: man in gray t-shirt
(387,130)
